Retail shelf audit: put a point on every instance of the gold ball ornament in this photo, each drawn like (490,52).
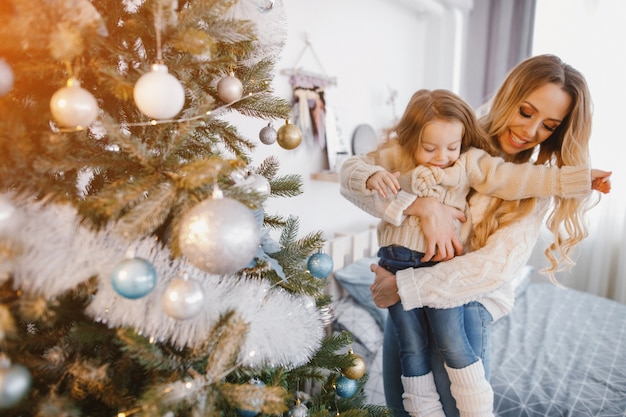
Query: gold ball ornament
(357,370)
(289,136)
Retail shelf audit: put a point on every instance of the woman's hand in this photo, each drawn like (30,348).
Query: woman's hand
(384,288)
(437,221)
(600,180)
(382,181)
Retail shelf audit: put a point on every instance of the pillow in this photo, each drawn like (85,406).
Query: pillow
(356,279)
(351,317)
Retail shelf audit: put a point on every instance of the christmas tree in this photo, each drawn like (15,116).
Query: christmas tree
(138,271)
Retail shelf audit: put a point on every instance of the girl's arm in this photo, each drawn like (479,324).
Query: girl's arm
(469,277)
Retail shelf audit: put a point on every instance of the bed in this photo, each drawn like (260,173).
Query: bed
(560,352)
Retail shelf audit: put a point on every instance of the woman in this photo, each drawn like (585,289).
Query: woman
(543,112)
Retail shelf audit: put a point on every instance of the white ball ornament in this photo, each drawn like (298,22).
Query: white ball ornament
(183,298)
(230,89)
(158,94)
(6,78)
(219,236)
(73,107)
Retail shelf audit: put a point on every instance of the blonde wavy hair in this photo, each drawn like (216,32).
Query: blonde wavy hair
(567,145)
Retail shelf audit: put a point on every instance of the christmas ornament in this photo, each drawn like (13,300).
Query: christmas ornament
(183,298)
(298,410)
(357,370)
(229,88)
(289,136)
(133,278)
(268,134)
(73,106)
(15,381)
(6,78)
(320,265)
(219,235)
(253,405)
(345,387)
(257,183)
(158,94)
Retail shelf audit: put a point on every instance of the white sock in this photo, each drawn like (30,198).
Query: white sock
(471,390)
(420,398)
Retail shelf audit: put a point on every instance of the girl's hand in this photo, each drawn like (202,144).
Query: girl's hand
(437,221)
(382,181)
(600,180)
(384,288)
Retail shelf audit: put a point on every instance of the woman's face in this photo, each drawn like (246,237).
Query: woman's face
(537,116)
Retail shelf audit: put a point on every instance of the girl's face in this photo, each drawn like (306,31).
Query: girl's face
(537,116)
(441,144)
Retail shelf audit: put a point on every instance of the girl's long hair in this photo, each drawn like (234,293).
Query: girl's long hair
(567,145)
(427,106)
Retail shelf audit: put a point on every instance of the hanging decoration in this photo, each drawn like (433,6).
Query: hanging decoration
(158,94)
(73,107)
(219,235)
(15,382)
(289,136)
(268,134)
(345,387)
(311,112)
(357,369)
(133,278)
(299,409)
(183,298)
(230,88)
(320,265)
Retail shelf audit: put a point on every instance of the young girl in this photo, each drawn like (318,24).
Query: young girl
(435,153)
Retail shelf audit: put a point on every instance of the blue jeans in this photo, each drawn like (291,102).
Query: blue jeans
(461,337)
(478,328)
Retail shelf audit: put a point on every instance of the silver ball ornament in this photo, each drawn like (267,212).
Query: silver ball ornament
(74,107)
(183,298)
(268,135)
(229,88)
(15,382)
(220,236)
(299,410)
(158,94)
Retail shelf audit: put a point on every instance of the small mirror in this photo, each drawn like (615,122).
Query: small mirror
(364,139)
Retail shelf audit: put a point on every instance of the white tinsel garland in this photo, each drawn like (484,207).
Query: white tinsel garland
(58,253)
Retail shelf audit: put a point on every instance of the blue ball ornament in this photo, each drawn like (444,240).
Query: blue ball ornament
(255,403)
(320,265)
(345,387)
(133,278)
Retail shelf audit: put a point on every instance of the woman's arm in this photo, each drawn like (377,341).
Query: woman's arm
(469,277)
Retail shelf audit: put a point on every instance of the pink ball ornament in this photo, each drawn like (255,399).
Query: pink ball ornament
(183,298)
(230,89)
(6,78)
(73,106)
(158,94)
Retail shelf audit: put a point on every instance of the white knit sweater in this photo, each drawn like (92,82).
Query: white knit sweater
(484,275)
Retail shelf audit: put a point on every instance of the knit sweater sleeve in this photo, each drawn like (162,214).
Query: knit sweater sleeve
(352,185)
(510,181)
(468,277)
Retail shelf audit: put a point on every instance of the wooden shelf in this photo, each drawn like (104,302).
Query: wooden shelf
(325,176)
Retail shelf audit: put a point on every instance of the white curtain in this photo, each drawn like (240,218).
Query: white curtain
(589,35)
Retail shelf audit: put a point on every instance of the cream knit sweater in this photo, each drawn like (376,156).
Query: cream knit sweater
(486,274)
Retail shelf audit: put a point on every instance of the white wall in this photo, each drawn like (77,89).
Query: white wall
(370,46)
